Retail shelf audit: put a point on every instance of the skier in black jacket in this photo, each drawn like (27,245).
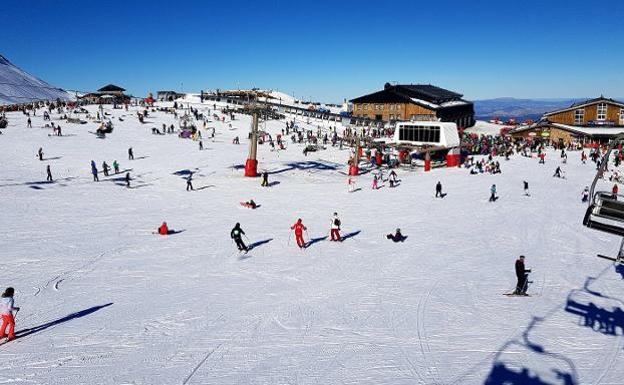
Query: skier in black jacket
(236,234)
(522,273)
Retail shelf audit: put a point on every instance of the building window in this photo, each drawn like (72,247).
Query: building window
(621,116)
(365,107)
(602,112)
(579,116)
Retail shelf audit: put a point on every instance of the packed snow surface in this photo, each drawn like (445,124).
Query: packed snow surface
(104,300)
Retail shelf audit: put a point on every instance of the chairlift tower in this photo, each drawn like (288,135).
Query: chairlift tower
(256,110)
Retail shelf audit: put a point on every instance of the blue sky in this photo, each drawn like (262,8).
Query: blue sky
(327,50)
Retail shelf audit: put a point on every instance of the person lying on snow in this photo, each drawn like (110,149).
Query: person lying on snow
(250,204)
(397,236)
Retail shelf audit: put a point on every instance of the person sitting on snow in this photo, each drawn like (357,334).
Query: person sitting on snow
(163,229)
(397,236)
(250,204)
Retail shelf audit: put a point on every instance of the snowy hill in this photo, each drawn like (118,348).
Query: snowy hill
(104,300)
(17,86)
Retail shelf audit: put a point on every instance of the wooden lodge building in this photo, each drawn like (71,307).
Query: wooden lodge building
(594,120)
(414,102)
(109,94)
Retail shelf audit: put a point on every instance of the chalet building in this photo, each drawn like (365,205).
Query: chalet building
(109,94)
(594,120)
(414,102)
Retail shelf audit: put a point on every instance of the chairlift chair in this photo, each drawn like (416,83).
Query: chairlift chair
(606,210)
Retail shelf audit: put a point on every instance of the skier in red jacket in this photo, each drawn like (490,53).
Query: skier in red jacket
(299,228)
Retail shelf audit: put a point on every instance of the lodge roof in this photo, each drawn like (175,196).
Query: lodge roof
(111,88)
(425,95)
(585,103)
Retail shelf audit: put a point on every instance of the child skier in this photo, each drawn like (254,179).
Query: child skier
(335,228)
(6,309)
(493,196)
(265,179)
(236,234)
(299,229)
(375,185)
(585,194)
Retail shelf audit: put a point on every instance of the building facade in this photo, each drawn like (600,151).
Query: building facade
(594,120)
(414,102)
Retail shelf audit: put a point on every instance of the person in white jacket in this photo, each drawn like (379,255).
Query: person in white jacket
(335,228)
(6,309)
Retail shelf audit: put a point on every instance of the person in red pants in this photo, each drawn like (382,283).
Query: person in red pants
(299,228)
(335,228)
(6,309)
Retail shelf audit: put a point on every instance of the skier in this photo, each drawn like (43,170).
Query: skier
(130,154)
(116,166)
(393,176)
(557,172)
(8,319)
(542,156)
(335,228)
(583,157)
(265,179)
(585,194)
(40,153)
(189,184)
(49,177)
(439,190)
(250,204)
(299,229)
(493,196)
(163,229)
(522,273)
(201,145)
(128,179)
(615,190)
(29,123)
(236,234)
(397,236)
(526,188)
(105,168)
(375,186)
(94,171)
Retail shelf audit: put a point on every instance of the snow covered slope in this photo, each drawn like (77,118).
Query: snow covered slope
(16,86)
(105,301)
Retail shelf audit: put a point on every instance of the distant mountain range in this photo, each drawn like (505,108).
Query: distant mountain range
(519,109)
